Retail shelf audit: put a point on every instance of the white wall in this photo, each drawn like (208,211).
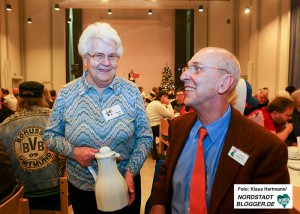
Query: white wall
(10,54)
(269,45)
(148,41)
(32,51)
(260,40)
(212,28)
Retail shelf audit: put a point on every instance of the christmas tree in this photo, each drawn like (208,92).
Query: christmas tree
(167,81)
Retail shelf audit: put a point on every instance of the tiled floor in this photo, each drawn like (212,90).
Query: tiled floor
(147,173)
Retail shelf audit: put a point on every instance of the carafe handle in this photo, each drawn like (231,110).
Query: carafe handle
(93,172)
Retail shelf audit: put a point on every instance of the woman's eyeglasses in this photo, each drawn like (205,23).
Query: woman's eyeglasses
(99,57)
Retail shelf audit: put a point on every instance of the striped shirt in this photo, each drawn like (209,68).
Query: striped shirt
(78,120)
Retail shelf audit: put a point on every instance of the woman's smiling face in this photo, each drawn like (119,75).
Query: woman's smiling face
(100,74)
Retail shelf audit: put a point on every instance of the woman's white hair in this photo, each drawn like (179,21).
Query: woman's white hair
(295,94)
(283,93)
(100,30)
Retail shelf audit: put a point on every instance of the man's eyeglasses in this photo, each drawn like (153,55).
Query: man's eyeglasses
(99,57)
(195,69)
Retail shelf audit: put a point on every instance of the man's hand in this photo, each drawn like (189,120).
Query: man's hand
(130,183)
(288,127)
(84,155)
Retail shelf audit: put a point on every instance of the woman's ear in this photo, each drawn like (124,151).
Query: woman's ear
(84,58)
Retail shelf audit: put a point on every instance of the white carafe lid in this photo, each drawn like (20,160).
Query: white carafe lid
(105,152)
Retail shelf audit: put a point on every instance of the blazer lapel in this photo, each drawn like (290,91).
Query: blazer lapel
(181,127)
(228,168)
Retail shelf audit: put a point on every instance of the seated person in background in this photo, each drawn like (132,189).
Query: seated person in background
(178,103)
(9,99)
(262,97)
(151,96)
(292,140)
(171,93)
(290,89)
(53,94)
(15,92)
(9,184)
(36,167)
(157,109)
(283,94)
(5,111)
(48,97)
(275,117)
(143,94)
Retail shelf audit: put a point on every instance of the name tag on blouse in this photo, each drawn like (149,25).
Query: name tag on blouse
(112,112)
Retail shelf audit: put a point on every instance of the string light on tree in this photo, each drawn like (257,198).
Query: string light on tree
(167,81)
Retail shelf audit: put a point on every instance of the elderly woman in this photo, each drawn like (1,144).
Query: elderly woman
(83,120)
(292,140)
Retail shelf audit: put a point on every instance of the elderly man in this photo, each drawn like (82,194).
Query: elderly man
(275,117)
(211,76)
(262,97)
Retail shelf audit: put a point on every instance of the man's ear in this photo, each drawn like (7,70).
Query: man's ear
(225,83)
(275,113)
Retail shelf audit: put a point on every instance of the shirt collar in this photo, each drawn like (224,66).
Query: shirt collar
(216,128)
(87,86)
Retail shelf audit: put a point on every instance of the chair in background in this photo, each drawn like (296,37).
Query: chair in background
(16,204)
(64,198)
(64,201)
(163,135)
(157,166)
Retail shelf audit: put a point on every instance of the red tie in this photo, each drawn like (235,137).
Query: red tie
(198,182)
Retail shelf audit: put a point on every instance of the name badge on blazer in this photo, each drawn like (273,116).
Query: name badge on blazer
(112,112)
(238,155)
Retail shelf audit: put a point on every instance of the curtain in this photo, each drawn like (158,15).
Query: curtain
(294,64)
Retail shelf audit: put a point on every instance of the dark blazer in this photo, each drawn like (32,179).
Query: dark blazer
(267,162)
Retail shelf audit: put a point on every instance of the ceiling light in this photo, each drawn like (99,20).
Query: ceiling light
(69,20)
(109,12)
(247,9)
(29,20)
(57,8)
(149,12)
(201,9)
(8,7)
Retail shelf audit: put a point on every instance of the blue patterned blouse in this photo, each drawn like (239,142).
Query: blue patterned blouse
(77,120)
